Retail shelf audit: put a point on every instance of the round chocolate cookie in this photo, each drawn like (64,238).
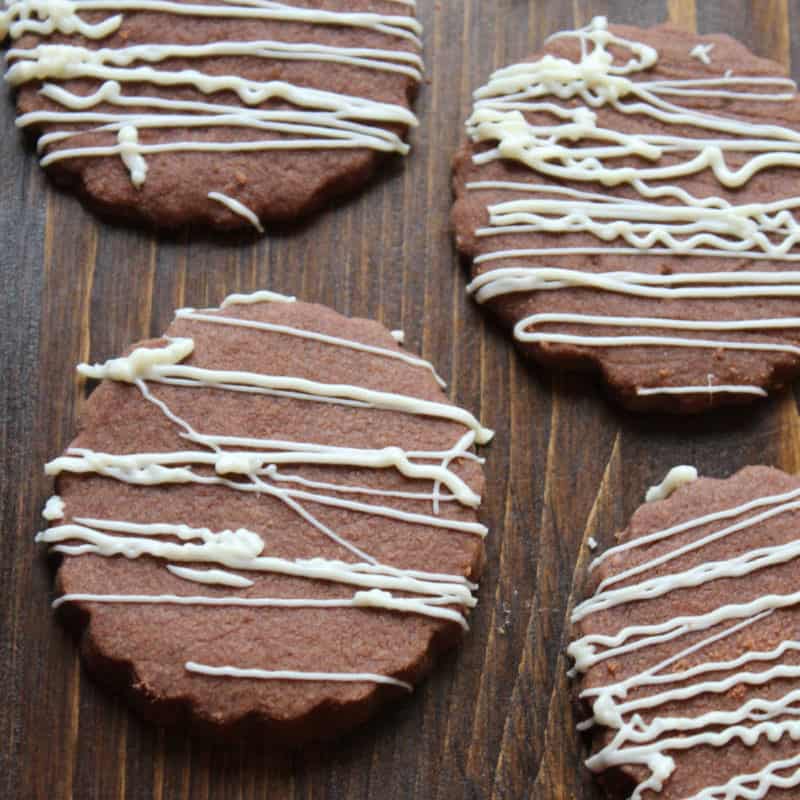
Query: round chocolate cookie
(628,203)
(689,649)
(268,518)
(226,113)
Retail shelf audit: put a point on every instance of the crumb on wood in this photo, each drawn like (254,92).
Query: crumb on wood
(506,619)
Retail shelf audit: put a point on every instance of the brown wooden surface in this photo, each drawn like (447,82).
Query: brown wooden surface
(495,720)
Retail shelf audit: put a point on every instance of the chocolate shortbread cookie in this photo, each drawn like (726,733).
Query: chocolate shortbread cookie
(223,113)
(688,649)
(627,200)
(268,518)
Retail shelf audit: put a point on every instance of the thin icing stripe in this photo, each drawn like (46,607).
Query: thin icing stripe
(315,336)
(237,207)
(266,675)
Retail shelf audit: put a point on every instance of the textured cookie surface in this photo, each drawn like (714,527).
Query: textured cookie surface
(267,518)
(689,648)
(628,202)
(215,112)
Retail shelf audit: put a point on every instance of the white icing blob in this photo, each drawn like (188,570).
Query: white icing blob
(262,296)
(675,478)
(54,508)
(140,363)
(702,52)
(130,152)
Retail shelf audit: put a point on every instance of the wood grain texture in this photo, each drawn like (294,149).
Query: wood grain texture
(683,13)
(495,720)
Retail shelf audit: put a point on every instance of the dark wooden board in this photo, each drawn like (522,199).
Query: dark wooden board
(495,720)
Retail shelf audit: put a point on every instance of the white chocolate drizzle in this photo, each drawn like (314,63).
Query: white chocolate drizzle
(45,16)
(675,478)
(130,153)
(239,208)
(215,577)
(718,388)
(231,558)
(140,363)
(314,336)
(162,365)
(283,675)
(629,707)
(296,117)
(568,145)
(261,296)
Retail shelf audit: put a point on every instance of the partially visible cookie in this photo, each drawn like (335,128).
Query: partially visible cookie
(628,203)
(222,113)
(689,650)
(268,519)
